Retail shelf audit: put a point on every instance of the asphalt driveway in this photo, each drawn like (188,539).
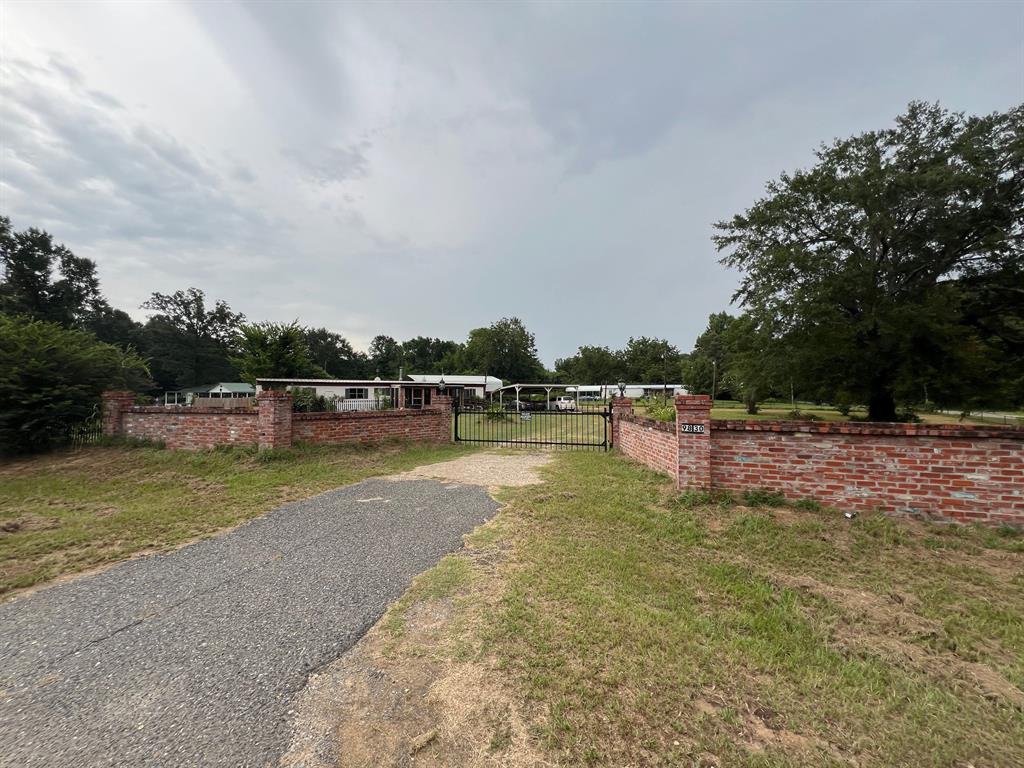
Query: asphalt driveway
(195,657)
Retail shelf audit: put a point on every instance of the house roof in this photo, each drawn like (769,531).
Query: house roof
(348,382)
(492,382)
(223,386)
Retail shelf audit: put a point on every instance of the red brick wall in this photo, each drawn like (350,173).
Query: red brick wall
(962,473)
(191,428)
(950,471)
(648,441)
(432,425)
(272,424)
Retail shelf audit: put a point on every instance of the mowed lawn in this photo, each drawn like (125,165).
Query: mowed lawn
(642,627)
(583,428)
(68,512)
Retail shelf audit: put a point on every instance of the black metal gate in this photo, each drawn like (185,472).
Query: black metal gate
(583,429)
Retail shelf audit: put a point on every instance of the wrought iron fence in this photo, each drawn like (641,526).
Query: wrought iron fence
(581,430)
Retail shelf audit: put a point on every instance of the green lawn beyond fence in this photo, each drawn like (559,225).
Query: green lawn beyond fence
(534,427)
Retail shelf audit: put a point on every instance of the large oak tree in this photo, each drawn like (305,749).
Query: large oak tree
(872,266)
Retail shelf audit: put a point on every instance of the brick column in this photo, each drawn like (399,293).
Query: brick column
(621,406)
(693,434)
(275,419)
(114,405)
(442,404)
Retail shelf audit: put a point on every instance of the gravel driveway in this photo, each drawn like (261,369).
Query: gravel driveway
(195,657)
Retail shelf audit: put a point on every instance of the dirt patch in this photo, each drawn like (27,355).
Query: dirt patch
(393,704)
(491,470)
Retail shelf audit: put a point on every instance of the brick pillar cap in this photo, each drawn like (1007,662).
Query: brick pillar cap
(118,394)
(693,401)
(623,400)
(272,394)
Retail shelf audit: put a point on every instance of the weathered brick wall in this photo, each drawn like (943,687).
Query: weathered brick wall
(372,426)
(191,428)
(970,474)
(962,473)
(272,424)
(648,441)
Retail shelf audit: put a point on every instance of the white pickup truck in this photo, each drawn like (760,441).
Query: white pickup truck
(565,403)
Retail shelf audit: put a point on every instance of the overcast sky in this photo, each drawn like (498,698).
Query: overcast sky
(423,169)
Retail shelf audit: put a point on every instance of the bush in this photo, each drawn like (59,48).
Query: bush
(495,412)
(306,400)
(657,408)
(51,379)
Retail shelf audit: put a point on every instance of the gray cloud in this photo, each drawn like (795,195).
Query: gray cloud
(413,168)
(326,165)
(76,165)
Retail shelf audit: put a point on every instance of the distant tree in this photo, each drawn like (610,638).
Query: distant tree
(426,355)
(188,343)
(506,350)
(275,350)
(334,353)
(590,365)
(385,357)
(650,361)
(753,365)
(705,369)
(46,281)
(871,267)
(51,377)
(115,326)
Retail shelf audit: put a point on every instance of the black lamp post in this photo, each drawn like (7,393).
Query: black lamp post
(622,388)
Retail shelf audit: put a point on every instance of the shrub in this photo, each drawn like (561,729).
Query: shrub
(51,378)
(495,412)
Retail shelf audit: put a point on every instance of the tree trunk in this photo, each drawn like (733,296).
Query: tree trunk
(881,405)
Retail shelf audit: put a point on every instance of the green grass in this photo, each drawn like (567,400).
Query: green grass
(580,427)
(645,627)
(71,511)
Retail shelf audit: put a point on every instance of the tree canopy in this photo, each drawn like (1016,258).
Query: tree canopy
(194,342)
(275,350)
(51,378)
(870,268)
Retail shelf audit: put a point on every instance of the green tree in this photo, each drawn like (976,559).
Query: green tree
(506,350)
(590,365)
(650,361)
(704,370)
(275,350)
(44,280)
(51,377)
(334,353)
(423,354)
(863,265)
(385,357)
(189,343)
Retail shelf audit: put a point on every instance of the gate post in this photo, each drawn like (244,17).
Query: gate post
(114,405)
(275,419)
(693,437)
(621,406)
(442,405)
